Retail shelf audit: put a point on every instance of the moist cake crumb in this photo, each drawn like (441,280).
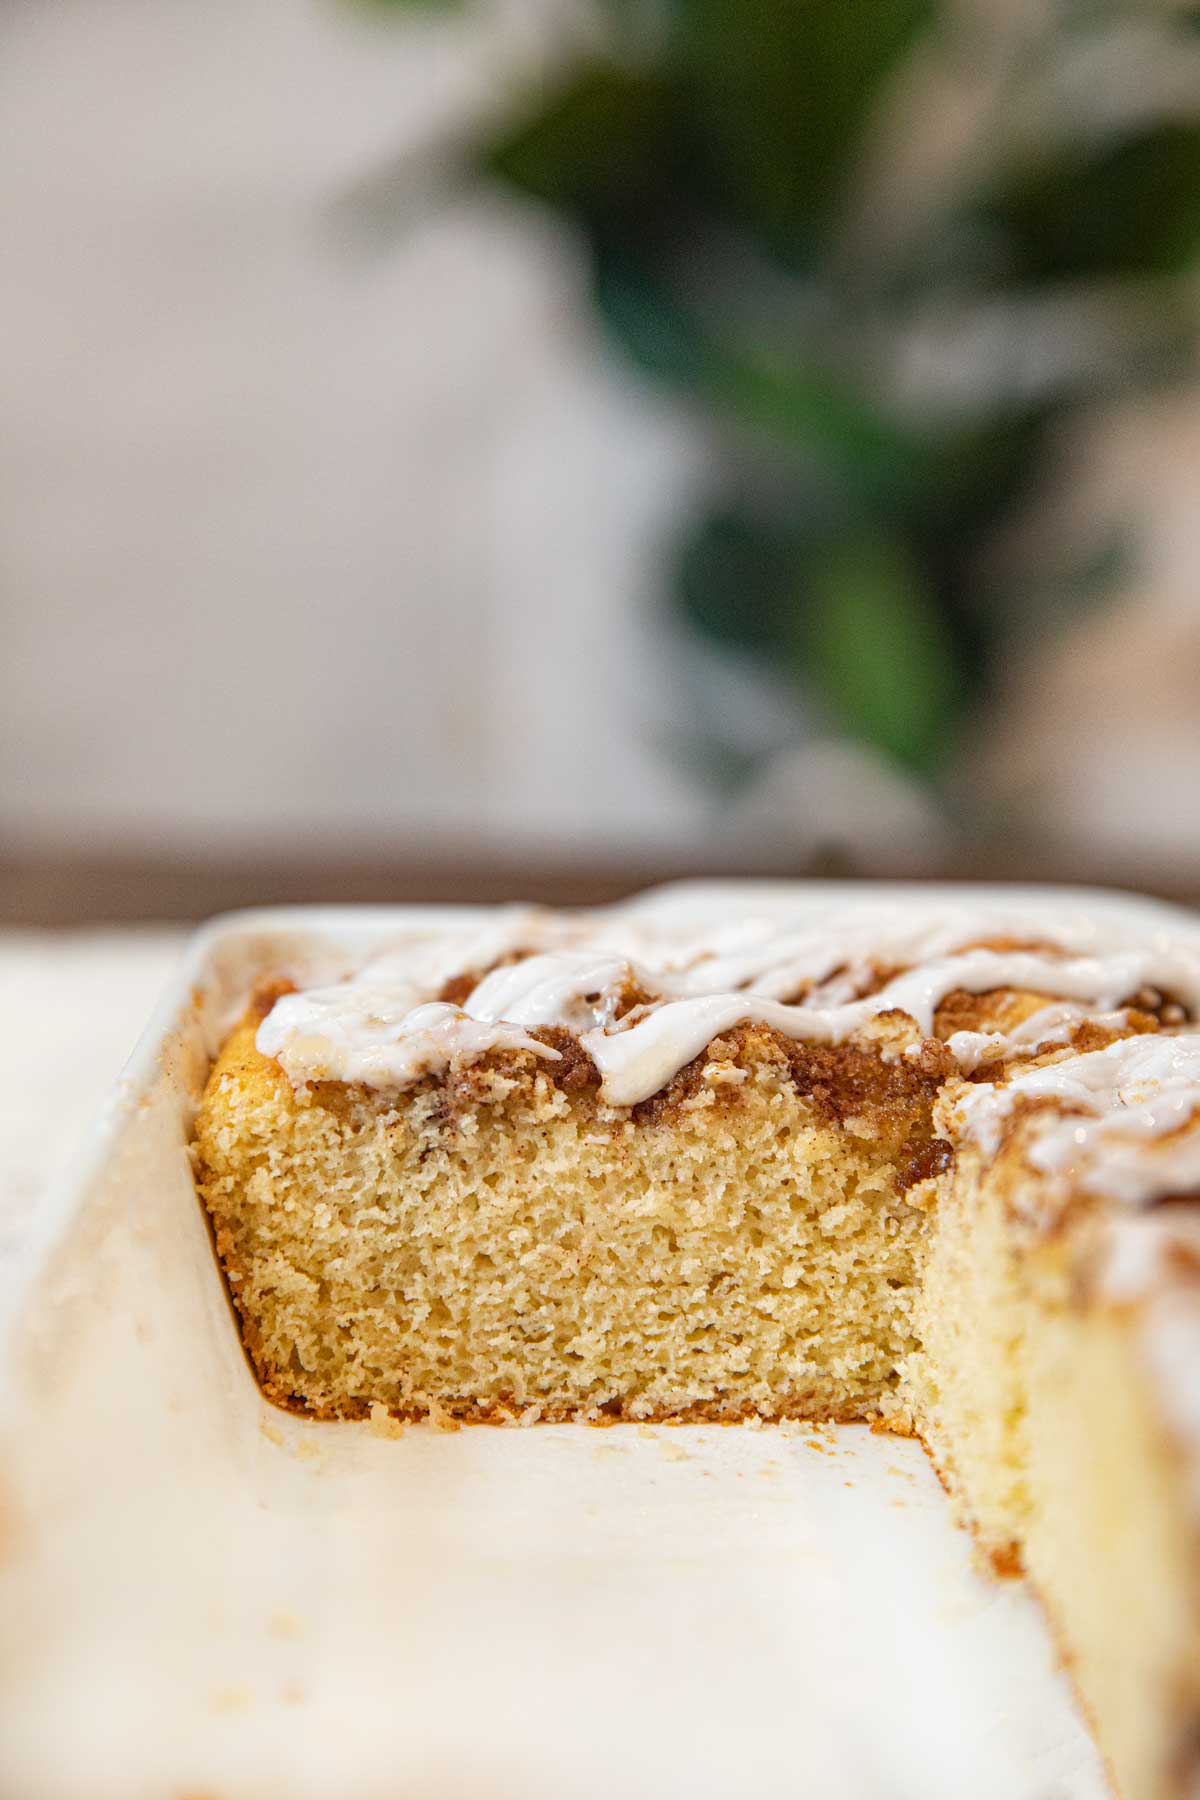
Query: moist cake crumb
(936,1176)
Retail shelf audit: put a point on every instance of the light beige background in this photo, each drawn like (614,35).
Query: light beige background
(304,541)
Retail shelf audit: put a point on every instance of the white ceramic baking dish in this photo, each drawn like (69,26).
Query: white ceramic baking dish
(203,1598)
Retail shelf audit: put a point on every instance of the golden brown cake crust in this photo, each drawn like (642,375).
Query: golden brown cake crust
(884,1109)
(802,1233)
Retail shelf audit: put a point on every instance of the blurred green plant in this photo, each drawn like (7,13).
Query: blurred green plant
(883,358)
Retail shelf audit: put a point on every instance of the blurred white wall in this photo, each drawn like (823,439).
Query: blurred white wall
(297,538)
(309,541)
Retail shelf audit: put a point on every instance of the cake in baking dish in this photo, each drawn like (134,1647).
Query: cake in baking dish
(938,1172)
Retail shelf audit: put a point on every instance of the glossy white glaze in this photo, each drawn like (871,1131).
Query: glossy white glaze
(574,969)
(379,1039)
(1116,1121)
(1122,1122)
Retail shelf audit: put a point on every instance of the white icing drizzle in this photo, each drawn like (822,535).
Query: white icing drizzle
(578,991)
(375,1027)
(426,961)
(1054,1024)
(318,1036)
(637,1060)
(1122,1122)
(1123,1131)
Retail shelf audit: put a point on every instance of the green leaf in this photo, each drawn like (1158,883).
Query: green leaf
(870,638)
(782,91)
(736,582)
(978,472)
(1133,207)
(599,146)
(859,623)
(808,407)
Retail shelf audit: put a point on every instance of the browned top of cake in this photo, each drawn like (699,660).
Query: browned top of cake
(870,1019)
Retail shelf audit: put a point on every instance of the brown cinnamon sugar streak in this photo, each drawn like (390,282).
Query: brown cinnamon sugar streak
(784,1230)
